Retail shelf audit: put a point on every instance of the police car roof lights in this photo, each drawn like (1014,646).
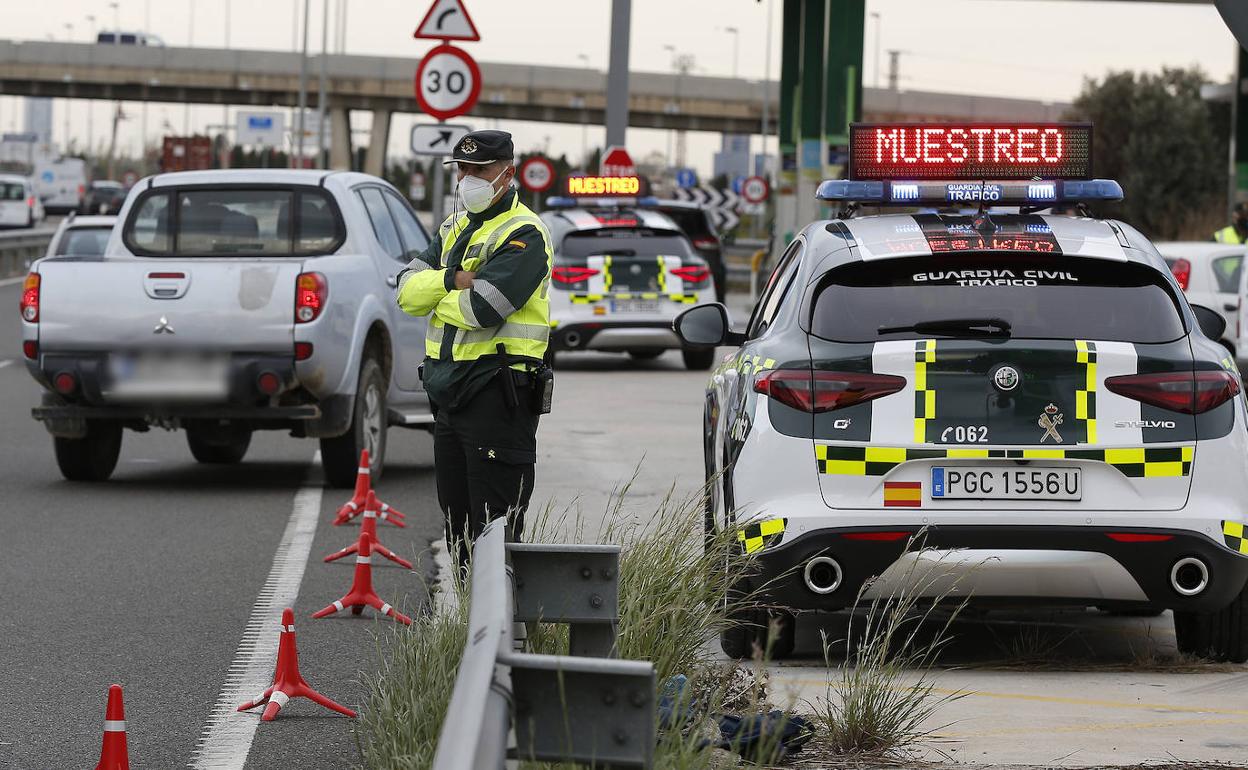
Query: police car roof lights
(567,202)
(1025,164)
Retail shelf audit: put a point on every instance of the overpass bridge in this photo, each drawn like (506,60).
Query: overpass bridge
(384,85)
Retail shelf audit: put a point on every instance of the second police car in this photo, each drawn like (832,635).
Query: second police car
(621,275)
(1029,394)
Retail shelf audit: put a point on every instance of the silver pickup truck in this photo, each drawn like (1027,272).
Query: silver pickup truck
(228,302)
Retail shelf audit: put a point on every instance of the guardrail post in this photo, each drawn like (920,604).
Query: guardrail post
(573,584)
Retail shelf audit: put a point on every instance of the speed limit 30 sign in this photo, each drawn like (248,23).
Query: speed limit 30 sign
(448,82)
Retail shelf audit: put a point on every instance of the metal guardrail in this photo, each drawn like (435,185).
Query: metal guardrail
(21,247)
(562,708)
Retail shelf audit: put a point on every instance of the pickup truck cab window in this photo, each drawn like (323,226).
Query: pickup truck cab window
(216,221)
(383,225)
(414,239)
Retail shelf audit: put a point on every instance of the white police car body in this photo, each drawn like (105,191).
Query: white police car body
(621,275)
(1031,395)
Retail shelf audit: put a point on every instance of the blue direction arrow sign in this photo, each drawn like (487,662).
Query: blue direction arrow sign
(685,178)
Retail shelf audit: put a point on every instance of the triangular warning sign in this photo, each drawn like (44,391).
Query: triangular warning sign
(447,20)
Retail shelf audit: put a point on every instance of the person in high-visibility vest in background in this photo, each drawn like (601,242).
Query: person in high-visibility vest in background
(1237,231)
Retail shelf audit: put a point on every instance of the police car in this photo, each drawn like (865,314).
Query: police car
(1029,396)
(621,275)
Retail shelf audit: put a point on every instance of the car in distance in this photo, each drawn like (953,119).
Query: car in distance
(695,222)
(19,205)
(1209,274)
(228,302)
(103,197)
(81,236)
(621,274)
(1026,404)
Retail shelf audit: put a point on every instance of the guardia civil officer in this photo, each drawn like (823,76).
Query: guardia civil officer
(1237,230)
(483,284)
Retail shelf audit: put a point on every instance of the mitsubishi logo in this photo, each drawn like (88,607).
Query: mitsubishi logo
(163,327)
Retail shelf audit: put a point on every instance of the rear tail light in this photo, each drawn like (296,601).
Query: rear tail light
(65,383)
(691,273)
(1186,392)
(30,202)
(706,243)
(310,293)
(30,299)
(30,349)
(1182,270)
(303,351)
(825,391)
(569,274)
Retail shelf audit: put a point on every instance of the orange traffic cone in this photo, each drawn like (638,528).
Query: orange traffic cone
(370,526)
(361,594)
(287,681)
(113,754)
(355,506)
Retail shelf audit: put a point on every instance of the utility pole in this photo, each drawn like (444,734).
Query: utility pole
(736,41)
(617,72)
(875,83)
(69,36)
(95,33)
(303,84)
(320,97)
(766,87)
(894,62)
(683,64)
(190,43)
(584,122)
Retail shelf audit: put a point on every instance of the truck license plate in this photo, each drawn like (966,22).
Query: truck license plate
(167,377)
(986,483)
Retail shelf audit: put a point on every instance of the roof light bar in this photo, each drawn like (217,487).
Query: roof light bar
(566,202)
(1036,192)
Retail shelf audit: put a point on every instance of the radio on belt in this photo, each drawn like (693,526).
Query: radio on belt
(1029,164)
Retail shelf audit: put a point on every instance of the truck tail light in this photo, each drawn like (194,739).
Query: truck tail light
(310,294)
(30,299)
(1182,270)
(1186,392)
(825,391)
(570,274)
(30,203)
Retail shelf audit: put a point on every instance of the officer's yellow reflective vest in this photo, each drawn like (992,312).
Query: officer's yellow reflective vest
(1228,234)
(524,331)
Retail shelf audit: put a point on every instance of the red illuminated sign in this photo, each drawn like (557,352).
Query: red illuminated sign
(970,151)
(604,185)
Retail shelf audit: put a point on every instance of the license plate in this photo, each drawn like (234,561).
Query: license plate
(634,306)
(167,377)
(983,483)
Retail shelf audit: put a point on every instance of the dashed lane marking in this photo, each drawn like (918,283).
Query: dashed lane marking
(227,735)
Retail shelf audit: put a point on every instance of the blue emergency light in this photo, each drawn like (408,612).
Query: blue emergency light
(1032,192)
(567,202)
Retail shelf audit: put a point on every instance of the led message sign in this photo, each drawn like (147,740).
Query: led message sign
(970,151)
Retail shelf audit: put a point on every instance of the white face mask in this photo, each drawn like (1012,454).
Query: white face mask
(476,193)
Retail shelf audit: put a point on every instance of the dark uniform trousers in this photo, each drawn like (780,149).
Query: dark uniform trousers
(485,452)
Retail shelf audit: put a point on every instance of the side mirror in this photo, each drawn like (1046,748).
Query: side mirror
(706,326)
(1211,322)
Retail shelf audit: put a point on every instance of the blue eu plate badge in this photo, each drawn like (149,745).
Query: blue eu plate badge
(938,482)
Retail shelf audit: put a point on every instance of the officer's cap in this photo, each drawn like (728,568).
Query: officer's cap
(481,148)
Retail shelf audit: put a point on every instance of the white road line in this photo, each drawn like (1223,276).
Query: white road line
(227,735)
(5,362)
(11,281)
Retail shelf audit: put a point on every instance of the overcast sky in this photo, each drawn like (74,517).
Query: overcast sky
(1037,49)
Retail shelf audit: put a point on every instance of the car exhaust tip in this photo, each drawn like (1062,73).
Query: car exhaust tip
(572,339)
(1189,576)
(823,575)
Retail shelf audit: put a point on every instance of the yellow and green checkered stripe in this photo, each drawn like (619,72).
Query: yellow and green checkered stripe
(1133,462)
(761,534)
(747,364)
(1085,395)
(1235,536)
(589,299)
(924,397)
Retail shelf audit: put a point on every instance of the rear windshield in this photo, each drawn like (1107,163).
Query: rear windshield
(252,222)
(626,243)
(12,191)
(84,241)
(1062,298)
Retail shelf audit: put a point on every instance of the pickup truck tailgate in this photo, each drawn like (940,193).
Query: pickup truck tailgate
(204,304)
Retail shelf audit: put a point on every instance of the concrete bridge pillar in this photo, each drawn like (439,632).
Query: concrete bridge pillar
(340,139)
(379,137)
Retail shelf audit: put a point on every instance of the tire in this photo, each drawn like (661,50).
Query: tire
(1220,636)
(645,354)
(340,455)
(92,457)
(698,359)
(217,448)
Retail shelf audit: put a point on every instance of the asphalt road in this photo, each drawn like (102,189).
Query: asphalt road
(148,580)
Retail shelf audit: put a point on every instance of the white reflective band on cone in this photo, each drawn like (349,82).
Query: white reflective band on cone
(338,605)
(351,504)
(280,698)
(288,629)
(364,560)
(370,514)
(364,469)
(114,725)
(385,608)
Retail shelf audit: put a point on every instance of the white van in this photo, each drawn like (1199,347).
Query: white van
(19,206)
(1209,274)
(61,184)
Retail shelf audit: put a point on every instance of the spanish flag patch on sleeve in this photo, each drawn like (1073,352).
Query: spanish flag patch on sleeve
(904,494)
